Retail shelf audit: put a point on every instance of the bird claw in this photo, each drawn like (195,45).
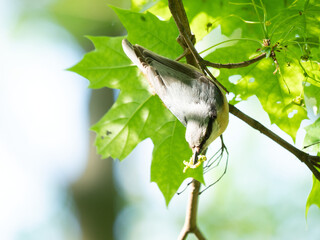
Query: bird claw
(201,159)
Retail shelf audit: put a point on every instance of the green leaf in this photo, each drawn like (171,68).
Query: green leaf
(276,92)
(313,136)
(107,65)
(314,196)
(312,100)
(312,139)
(203,15)
(137,114)
(298,21)
(166,162)
(156,7)
(131,119)
(151,33)
(312,72)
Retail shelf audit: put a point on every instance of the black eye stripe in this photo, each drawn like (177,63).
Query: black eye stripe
(208,132)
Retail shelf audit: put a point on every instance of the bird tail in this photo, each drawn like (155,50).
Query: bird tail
(135,55)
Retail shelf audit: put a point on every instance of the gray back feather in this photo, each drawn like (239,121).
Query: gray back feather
(186,92)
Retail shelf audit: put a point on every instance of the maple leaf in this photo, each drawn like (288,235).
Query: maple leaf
(137,114)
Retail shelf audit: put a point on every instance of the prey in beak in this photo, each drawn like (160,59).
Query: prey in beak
(196,160)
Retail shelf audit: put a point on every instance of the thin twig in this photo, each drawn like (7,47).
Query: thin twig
(198,234)
(309,160)
(310,145)
(235,65)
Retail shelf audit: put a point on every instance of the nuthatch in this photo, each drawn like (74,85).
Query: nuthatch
(194,99)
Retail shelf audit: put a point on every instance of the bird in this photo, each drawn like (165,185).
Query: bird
(197,102)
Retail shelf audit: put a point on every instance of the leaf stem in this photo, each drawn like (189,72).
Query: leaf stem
(260,20)
(230,40)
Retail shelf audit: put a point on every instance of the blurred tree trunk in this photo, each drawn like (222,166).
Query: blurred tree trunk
(94,192)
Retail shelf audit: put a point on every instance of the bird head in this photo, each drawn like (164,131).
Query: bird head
(202,130)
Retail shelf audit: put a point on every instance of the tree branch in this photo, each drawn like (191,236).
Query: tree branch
(190,224)
(180,17)
(186,40)
(310,161)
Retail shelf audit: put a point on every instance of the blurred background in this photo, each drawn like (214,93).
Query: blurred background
(54,185)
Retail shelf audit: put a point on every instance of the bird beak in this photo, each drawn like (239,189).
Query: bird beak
(196,152)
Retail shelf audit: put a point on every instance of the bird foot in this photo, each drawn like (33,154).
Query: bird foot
(190,164)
